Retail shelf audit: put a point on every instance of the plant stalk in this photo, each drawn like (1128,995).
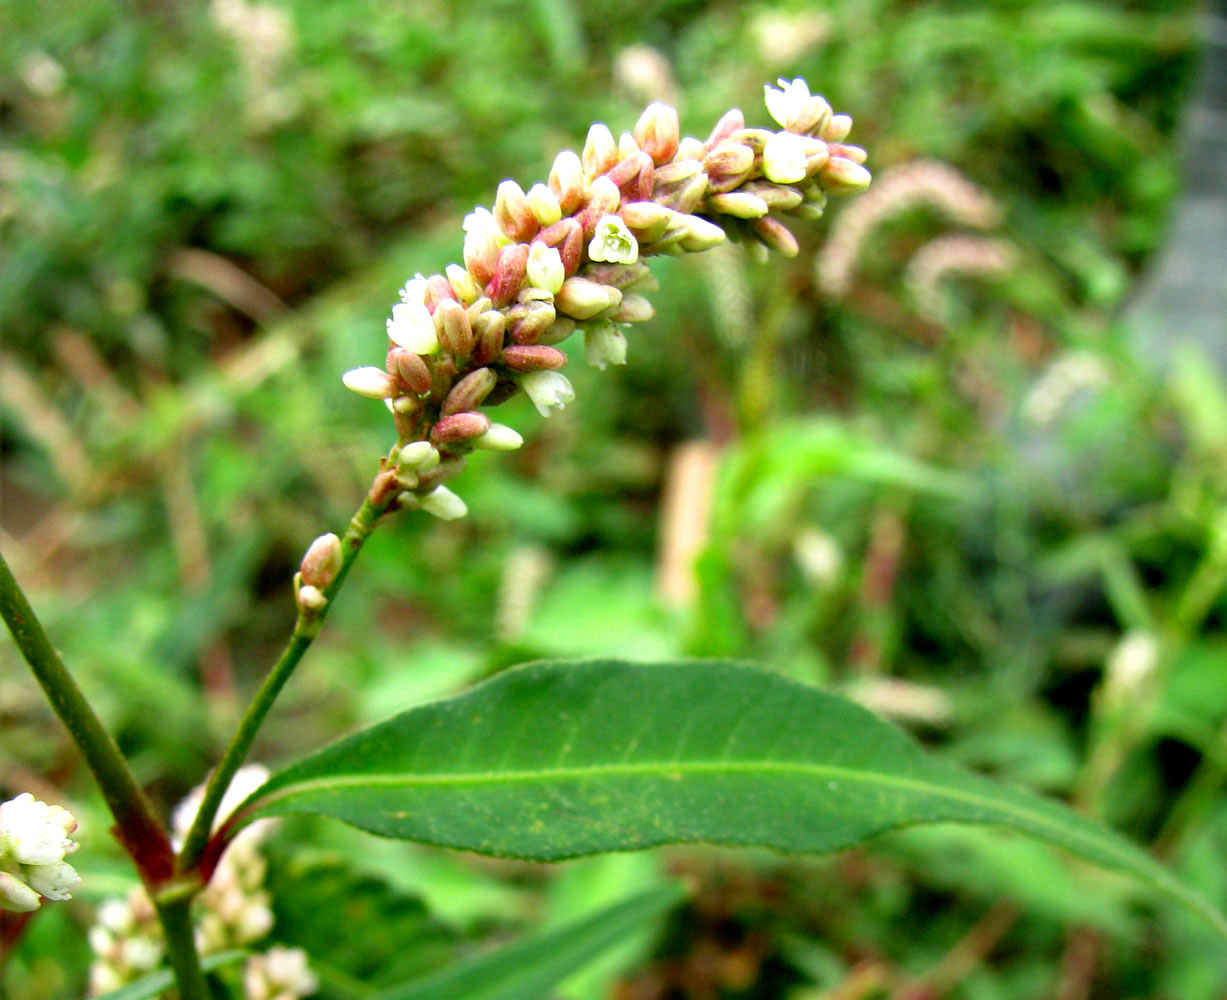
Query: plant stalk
(137,825)
(306,628)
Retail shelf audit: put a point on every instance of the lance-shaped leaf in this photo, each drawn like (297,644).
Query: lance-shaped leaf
(528,969)
(558,759)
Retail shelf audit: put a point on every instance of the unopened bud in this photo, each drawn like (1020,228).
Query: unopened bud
(646,219)
(676,172)
(627,147)
(558,331)
(483,241)
(728,164)
(732,121)
(633,176)
(459,427)
(776,236)
(854,153)
(452,325)
(410,369)
(657,132)
(841,176)
(467,290)
(603,199)
(545,268)
(418,456)
(604,344)
(470,392)
(545,204)
(514,212)
(529,319)
(700,234)
(837,128)
(567,181)
(499,437)
(633,309)
(489,330)
(373,383)
(508,274)
(309,598)
(685,198)
(533,358)
(438,289)
(785,159)
(689,148)
(322,562)
(443,504)
(600,151)
(582,299)
(740,204)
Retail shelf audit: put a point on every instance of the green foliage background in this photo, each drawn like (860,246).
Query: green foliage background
(193,248)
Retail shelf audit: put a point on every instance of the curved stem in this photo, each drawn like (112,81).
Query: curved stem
(136,823)
(306,628)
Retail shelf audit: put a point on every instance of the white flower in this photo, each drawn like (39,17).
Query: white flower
(414,292)
(789,102)
(784,159)
(613,242)
(545,268)
(413,328)
(444,504)
(279,974)
(604,344)
(549,391)
(33,844)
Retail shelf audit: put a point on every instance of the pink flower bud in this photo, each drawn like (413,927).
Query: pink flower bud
(452,325)
(528,320)
(728,164)
(567,181)
(603,199)
(776,236)
(508,274)
(633,309)
(837,128)
(657,132)
(457,428)
(533,358)
(438,289)
(489,330)
(732,120)
(322,562)
(470,392)
(514,212)
(410,369)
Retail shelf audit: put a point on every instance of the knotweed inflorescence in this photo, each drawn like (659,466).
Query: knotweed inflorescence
(566,256)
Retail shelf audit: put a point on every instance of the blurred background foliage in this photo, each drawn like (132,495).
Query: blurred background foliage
(920,463)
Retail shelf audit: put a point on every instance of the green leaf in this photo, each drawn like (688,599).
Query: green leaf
(558,759)
(528,968)
(157,983)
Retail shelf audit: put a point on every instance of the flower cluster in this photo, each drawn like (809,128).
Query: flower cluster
(33,844)
(234,909)
(566,256)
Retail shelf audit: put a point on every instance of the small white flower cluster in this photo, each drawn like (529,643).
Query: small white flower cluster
(233,910)
(567,255)
(278,974)
(33,844)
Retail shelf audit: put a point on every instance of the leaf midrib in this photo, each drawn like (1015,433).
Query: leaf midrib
(1062,833)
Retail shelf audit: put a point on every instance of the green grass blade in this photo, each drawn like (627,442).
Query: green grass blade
(527,969)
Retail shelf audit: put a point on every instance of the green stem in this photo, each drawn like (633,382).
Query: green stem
(175,914)
(306,628)
(137,825)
